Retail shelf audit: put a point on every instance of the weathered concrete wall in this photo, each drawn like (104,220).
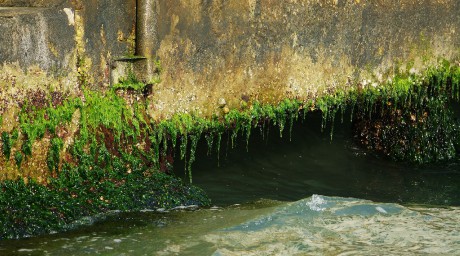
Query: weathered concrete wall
(268,50)
(37,36)
(54,45)
(259,49)
(211,51)
(49,50)
(32,3)
(109,33)
(37,54)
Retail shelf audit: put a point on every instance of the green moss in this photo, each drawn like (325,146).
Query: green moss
(107,172)
(6,145)
(53,158)
(8,141)
(35,123)
(116,146)
(32,209)
(189,128)
(105,117)
(130,82)
(18,157)
(108,111)
(14,135)
(409,118)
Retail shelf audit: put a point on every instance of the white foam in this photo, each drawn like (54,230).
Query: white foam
(380,209)
(316,203)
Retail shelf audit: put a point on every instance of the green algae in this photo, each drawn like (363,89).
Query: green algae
(130,82)
(106,119)
(35,123)
(106,172)
(18,158)
(53,157)
(104,164)
(6,144)
(409,119)
(117,146)
(29,209)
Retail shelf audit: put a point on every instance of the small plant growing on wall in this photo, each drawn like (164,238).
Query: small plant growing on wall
(54,154)
(18,157)
(130,82)
(6,145)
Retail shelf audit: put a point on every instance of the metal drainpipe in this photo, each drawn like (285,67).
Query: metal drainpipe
(146,38)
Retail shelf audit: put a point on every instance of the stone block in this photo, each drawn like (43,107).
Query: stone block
(37,36)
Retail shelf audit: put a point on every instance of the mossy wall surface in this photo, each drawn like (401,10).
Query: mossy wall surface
(69,129)
(214,59)
(49,51)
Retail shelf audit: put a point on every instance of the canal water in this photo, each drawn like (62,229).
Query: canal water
(302,194)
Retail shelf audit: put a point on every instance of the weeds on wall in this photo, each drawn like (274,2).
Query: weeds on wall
(130,82)
(407,118)
(106,170)
(411,118)
(117,152)
(6,145)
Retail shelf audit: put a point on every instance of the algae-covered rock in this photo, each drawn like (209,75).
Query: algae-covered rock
(30,209)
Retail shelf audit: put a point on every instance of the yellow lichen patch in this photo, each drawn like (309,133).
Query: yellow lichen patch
(120,36)
(252,6)
(131,40)
(84,64)
(9,119)
(33,166)
(53,49)
(72,128)
(103,37)
(193,6)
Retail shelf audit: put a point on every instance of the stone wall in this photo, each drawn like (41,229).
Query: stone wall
(215,55)
(32,3)
(256,49)
(49,51)
(267,50)
(53,45)
(37,36)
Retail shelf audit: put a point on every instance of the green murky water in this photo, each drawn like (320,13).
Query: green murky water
(307,196)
